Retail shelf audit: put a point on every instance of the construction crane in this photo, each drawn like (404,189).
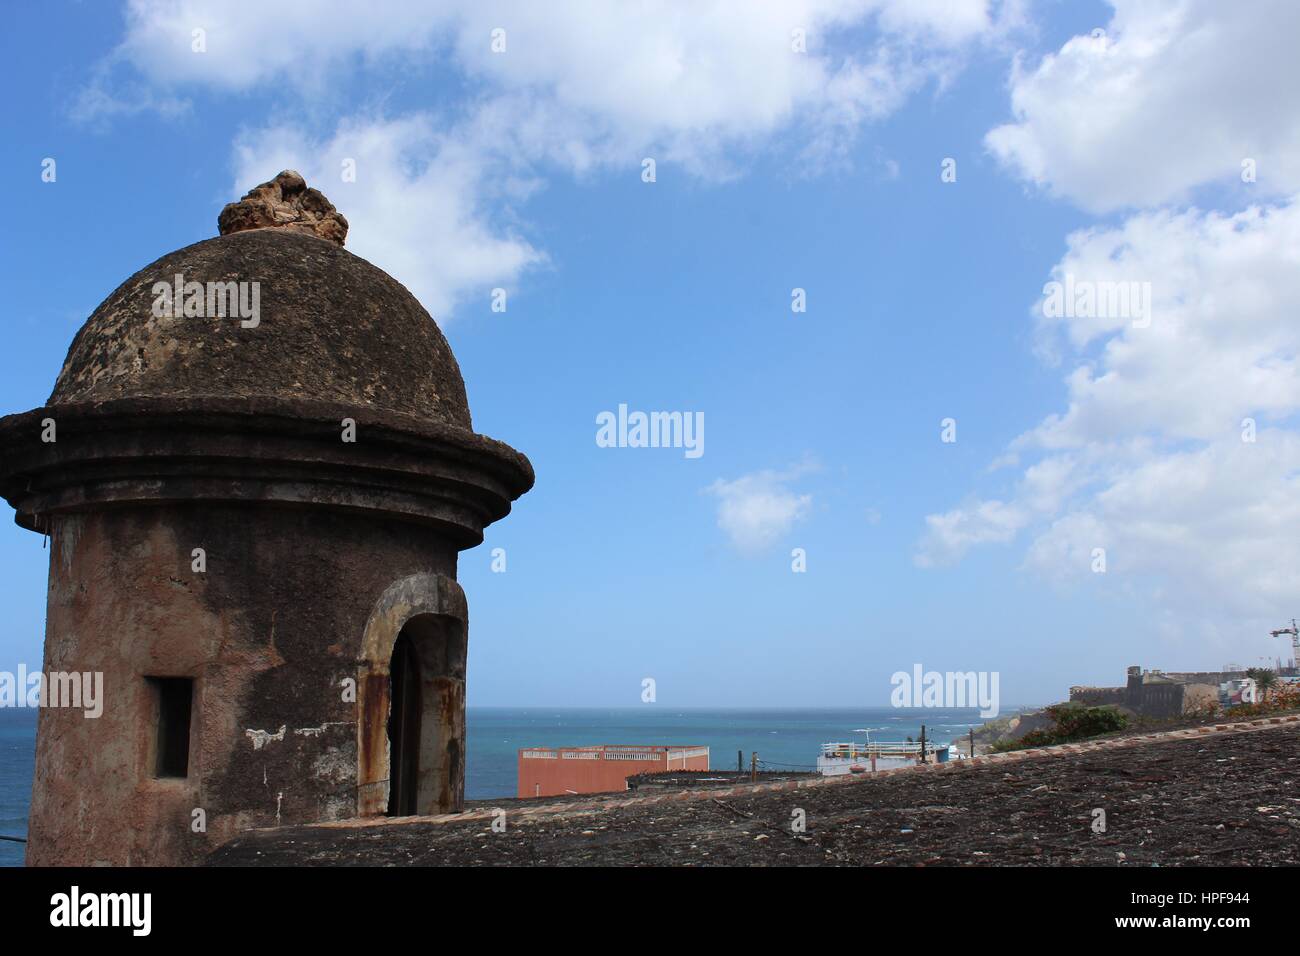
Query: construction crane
(1294,633)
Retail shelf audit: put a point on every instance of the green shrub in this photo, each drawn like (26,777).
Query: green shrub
(1078,722)
(1070,722)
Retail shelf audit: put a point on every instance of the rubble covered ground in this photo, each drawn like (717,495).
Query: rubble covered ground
(1225,799)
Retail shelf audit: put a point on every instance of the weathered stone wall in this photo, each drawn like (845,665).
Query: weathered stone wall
(1099,696)
(1160,700)
(1205,677)
(269,633)
(1199,697)
(1018,808)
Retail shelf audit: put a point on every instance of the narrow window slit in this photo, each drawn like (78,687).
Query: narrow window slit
(175,700)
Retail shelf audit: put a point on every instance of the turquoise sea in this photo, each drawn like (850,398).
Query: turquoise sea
(17,751)
(783,739)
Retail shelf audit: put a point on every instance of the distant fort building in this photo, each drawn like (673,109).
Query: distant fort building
(1155,693)
(253,536)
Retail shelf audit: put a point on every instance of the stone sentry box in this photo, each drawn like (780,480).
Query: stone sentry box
(313,667)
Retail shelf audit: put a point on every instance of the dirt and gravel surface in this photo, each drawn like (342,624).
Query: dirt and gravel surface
(1227,798)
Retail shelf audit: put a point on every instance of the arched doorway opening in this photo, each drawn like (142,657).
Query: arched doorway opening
(426,707)
(411,700)
(404,713)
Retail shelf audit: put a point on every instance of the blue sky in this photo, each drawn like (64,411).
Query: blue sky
(1114,156)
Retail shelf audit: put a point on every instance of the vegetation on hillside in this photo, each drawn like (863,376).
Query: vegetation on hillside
(1070,722)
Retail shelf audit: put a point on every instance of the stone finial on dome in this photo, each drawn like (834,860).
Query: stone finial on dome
(285,203)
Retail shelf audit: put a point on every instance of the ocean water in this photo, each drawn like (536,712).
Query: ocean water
(783,739)
(17,756)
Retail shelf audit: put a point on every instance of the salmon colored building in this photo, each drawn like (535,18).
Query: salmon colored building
(554,771)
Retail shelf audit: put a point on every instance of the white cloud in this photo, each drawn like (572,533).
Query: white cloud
(1173,96)
(581,86)
(102,101)
(1147,460)
(250,42)
(1223,339)
(757,510)
(1211,530)
(613,80)
(416,207)
(950,535)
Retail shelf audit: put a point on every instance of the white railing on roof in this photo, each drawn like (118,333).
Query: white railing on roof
(879,748)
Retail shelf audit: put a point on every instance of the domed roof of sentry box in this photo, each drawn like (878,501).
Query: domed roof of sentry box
(329,326)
